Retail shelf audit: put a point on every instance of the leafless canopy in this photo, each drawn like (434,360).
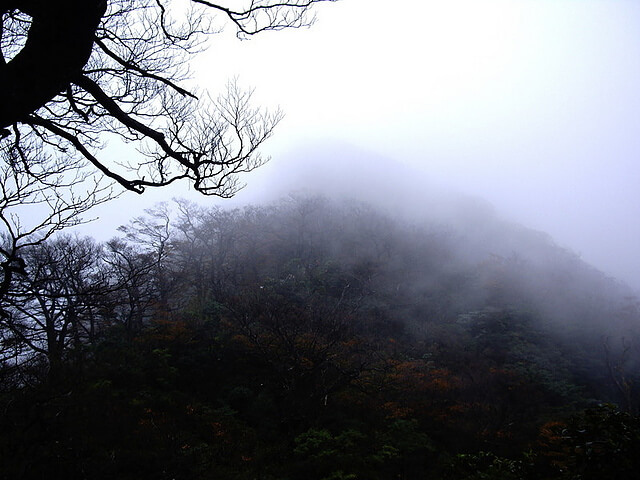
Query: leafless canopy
(73,71)
(75,74)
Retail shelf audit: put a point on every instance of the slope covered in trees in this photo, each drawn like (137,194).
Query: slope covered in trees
(320,340)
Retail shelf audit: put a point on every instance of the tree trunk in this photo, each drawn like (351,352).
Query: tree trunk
(58,46)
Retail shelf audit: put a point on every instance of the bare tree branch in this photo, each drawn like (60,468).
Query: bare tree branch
(74,72)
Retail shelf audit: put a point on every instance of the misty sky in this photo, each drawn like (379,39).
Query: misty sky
(533,105)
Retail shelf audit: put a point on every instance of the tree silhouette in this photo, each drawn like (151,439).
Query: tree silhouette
(75,74)
(74,71)
(52,308)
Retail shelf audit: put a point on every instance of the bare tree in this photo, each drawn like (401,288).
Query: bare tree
(131,291)
(151,234)
(40,195)
(49,311)
(75,74)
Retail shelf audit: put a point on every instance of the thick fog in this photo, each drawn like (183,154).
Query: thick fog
(531,105)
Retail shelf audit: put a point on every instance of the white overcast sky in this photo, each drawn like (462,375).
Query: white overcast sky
(533,105)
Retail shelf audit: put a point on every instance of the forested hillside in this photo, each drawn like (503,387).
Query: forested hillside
(314,339)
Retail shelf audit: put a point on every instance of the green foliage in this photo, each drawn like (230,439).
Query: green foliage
(323,455)
(601,442)
(487,466)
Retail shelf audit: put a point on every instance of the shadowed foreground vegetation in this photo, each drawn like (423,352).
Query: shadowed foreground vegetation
(311,340)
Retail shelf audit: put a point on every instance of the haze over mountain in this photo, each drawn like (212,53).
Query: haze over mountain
(529,104)
(339,170)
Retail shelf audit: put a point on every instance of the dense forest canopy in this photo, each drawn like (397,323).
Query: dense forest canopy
(318,339)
